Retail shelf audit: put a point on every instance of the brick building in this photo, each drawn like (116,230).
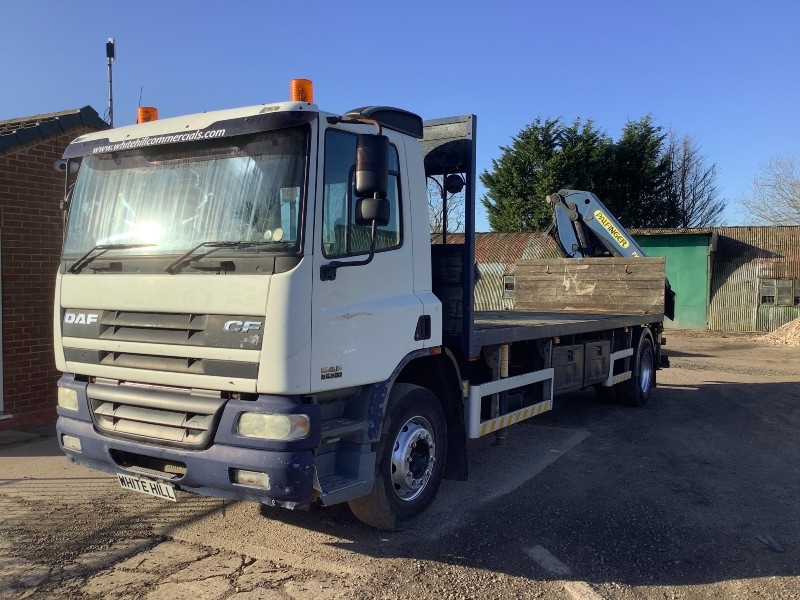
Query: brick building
(30,246)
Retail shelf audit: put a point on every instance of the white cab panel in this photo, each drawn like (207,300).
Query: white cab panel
(182,293)
(286,349)
(364,320)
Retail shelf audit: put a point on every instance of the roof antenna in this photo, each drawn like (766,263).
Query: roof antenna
(110,55)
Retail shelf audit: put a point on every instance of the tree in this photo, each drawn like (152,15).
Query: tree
(693,184)
(631,176)
(775,193)
(455,207)
(546,156)
(639,191)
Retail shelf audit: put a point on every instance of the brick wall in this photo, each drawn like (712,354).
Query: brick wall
(31,233)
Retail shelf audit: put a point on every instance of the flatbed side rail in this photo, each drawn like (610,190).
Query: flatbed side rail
(477,428)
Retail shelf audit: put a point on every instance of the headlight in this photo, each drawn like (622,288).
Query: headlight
(273,427)
(67,398)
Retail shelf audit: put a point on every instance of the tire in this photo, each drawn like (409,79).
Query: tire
(636,390)
(411,457)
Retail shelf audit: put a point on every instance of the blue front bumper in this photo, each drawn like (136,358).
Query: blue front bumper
(208,471)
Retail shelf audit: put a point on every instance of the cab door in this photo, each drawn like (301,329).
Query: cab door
(365,318)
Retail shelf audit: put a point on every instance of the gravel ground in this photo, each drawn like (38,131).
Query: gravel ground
(691,496)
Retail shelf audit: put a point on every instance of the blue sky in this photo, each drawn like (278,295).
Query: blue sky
(727,73)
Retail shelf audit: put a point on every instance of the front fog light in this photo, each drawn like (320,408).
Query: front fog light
(251,478)
(273,427)
(68,398)
(71,443)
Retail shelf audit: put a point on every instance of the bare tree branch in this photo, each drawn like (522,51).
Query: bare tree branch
(693,184)
(775,195)
(455,208)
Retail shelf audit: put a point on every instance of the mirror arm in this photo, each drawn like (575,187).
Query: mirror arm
(360,120)
(328,272)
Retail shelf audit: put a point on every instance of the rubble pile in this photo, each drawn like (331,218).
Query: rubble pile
(785,335)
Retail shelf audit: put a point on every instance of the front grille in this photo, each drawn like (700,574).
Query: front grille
(208,331)
(176,417)
(192,344)
(173,364)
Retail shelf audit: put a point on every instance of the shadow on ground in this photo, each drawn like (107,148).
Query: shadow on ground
(675,493)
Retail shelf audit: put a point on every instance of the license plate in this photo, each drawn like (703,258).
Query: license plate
(157,489)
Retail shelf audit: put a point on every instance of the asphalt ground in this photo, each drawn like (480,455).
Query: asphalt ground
(692,496)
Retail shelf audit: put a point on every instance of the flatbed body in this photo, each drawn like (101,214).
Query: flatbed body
(492,328)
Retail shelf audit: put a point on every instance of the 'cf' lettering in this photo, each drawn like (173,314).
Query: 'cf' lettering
(237,326)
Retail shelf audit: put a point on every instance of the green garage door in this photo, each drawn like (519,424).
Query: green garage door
(688,271)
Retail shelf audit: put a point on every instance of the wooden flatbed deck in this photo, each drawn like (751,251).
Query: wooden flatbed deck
(503,327)
(556,297)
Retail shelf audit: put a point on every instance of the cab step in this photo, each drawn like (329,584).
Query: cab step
(335,489)
(336,429)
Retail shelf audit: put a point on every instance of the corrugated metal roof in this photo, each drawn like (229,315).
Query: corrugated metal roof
(507,248)
(23,130)
(684,231)
(745,256)
(776,250)
(496,255)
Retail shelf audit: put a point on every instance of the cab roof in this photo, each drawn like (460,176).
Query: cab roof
(213,124)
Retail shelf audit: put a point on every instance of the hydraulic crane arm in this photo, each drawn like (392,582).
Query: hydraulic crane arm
(585,227)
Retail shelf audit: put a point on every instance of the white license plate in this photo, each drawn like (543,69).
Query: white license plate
(166,491)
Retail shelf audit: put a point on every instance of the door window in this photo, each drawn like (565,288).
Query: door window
(340,235)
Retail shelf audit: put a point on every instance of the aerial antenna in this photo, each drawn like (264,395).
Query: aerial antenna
(141,90)
(110,55)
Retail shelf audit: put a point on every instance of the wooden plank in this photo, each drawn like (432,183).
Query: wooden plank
(616,285)
(614,276)
(641,262)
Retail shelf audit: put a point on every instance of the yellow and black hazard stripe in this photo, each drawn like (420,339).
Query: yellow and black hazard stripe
(515,417)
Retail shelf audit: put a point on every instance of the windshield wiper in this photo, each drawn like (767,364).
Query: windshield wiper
(97,251)
(173,267)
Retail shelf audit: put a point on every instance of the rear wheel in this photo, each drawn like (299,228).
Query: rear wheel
(636,390)
(410,461)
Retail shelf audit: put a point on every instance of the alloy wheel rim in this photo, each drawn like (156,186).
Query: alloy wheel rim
(646,372)
(413,457)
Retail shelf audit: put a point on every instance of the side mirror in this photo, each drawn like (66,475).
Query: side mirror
(372,166)
(372,206)
(62,166)
(373,209)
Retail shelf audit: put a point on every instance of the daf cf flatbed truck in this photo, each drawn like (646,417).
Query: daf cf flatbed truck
(249,306)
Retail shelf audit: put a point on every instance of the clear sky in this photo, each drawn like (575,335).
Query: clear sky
(727,73)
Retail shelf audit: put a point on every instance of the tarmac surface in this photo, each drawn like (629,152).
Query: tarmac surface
(692,496)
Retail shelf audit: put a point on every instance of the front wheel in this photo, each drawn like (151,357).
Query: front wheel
(410,461)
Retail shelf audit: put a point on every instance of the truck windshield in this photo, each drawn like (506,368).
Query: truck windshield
(168,199)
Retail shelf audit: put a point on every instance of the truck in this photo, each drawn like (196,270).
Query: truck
(249,306)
